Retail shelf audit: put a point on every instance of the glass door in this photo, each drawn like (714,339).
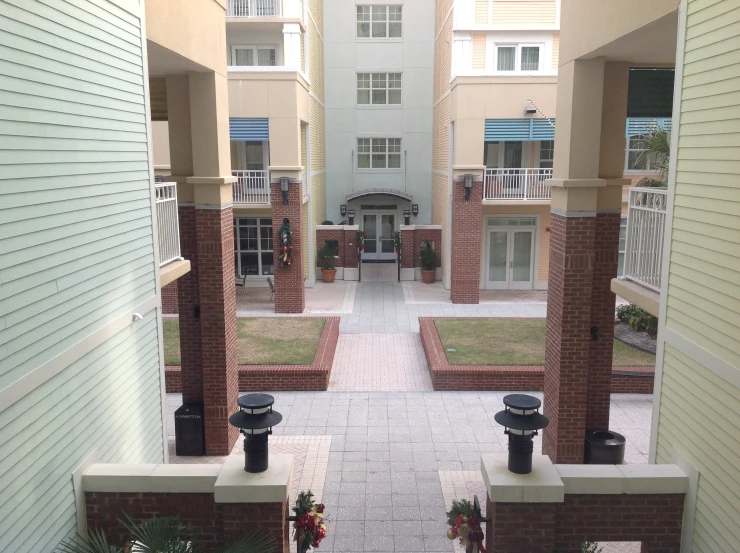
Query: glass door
(379,236)
(370,226)
(521,259)
(510,259)
(498,253)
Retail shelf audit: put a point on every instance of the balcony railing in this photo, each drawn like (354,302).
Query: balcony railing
(516,184)
(167,222)
(643,257)
(253,8)
(252,187)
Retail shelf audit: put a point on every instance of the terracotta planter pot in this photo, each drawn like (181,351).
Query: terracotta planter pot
(328,275)
(427,277)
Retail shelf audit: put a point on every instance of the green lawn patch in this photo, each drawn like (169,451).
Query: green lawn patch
(512,342)
(268,341)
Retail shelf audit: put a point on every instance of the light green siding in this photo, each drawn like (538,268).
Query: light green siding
(76,253)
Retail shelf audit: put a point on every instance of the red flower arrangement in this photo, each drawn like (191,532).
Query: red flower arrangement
(309,526)
(361,240)
(465,520)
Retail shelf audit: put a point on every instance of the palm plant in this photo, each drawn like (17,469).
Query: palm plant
(655,145)
(162,535)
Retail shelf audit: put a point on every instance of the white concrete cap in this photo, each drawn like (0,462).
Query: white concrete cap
(654,479)
(542,485)
(591,479)
(184,478)
(235,485)
(108,477)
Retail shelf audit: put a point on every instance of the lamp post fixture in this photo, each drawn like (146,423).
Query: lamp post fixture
(284,181)
(255,420)
(521,420)
(351,216)
(406,216)
(468,181)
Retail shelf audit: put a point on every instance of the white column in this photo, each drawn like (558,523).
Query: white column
(292,46)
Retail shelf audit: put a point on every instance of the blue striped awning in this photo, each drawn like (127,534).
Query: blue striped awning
(643,125)
(519,129)
(248,129)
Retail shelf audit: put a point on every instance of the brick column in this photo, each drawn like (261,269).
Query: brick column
(215,233)
(466,243)
(289,287)
(408,246)
(568,343)
(351,255)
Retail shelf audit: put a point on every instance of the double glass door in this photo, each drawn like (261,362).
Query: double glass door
(510,259)
(379,236)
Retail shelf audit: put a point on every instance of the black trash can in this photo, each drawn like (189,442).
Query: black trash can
(190,436)
(604,447)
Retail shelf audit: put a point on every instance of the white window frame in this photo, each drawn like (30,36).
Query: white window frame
(648,159)
(370,22)
(387,89)
(259,251)
(518,56)
(539,154)
(254,47)
(387,153)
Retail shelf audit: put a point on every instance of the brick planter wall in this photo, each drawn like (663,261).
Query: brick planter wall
(313,377)
(636,380)
(337,235)
(411,246)
(213,523)
(170,304)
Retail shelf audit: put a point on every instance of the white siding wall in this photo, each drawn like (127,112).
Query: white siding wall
(76,253)
(345,56)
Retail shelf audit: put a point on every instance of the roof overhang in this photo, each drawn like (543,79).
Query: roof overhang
(379,192)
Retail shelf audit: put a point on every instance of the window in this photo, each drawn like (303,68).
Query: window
(379,21)
(378,88)
(637,160)
(518,57)
(547,153)
(253,255)
(622,244)
(254,55)
(378,153)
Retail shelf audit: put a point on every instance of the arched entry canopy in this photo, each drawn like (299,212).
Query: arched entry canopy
(379,191)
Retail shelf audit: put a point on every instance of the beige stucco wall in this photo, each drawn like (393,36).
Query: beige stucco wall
(197,32)
(160,147)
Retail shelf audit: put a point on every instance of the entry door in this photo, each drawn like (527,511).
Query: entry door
(510,259)
(379,235)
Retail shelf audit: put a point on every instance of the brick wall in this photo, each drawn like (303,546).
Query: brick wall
(289,287)
(169,299)
(351,254)
(466,243)
(407,249)
(411,246)
(337,235)
(653,519)
(213,523)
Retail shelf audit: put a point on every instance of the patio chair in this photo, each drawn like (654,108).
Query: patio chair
(272,289)
(241,282)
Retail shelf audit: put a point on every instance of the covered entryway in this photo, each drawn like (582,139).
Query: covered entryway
(380,228)
(510,247)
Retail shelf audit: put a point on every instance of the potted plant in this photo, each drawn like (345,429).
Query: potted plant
(428,265)
(327,261)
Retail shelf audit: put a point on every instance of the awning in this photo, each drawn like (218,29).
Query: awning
(505,130)
(248,129)
(379,191)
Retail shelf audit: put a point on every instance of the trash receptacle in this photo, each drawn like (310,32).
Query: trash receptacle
(604,447)
(190,438)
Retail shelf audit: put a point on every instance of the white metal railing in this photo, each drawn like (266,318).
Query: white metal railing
(168,227)
(251,187)
(643,256)
(516,184)
(253,8)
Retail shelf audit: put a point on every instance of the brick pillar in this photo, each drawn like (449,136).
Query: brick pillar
(606,260)
(568,344)
(188,296)
(289,287)
(408,246)
(351,256)
(466,243)
(520,527)
(215,234)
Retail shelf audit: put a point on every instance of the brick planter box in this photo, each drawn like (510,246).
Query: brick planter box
(281,378)
(633,380)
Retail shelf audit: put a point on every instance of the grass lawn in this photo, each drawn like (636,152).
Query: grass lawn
(268,341)
(513,342)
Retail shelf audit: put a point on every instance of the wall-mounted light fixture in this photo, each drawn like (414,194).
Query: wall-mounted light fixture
(415,209)
(468,180)
(351,216)
(343,210)
(284,181)
(406,216)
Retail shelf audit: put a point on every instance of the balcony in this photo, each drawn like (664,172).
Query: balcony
(171,263)
(517,184)
(643,257)
(251,187)
(275,9)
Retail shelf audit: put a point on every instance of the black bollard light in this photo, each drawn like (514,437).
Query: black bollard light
(255,420)
(521,421)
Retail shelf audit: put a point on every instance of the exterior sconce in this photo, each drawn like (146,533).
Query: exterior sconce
(468,180)
(351,216)
(343,210)
(521,421)
(415,209)
(284,181)
(406,216)
(255,420)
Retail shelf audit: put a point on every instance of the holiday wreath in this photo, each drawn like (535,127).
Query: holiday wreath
(397,243)
(285,255)
(361,239)
(309,527)
(464,520)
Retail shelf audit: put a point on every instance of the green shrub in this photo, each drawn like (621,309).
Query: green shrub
(327,222)
(326,259)
(428,259)
(638,319)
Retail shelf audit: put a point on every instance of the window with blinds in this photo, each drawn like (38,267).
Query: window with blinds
(518,57)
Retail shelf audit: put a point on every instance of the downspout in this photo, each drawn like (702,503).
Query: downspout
(405,159)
